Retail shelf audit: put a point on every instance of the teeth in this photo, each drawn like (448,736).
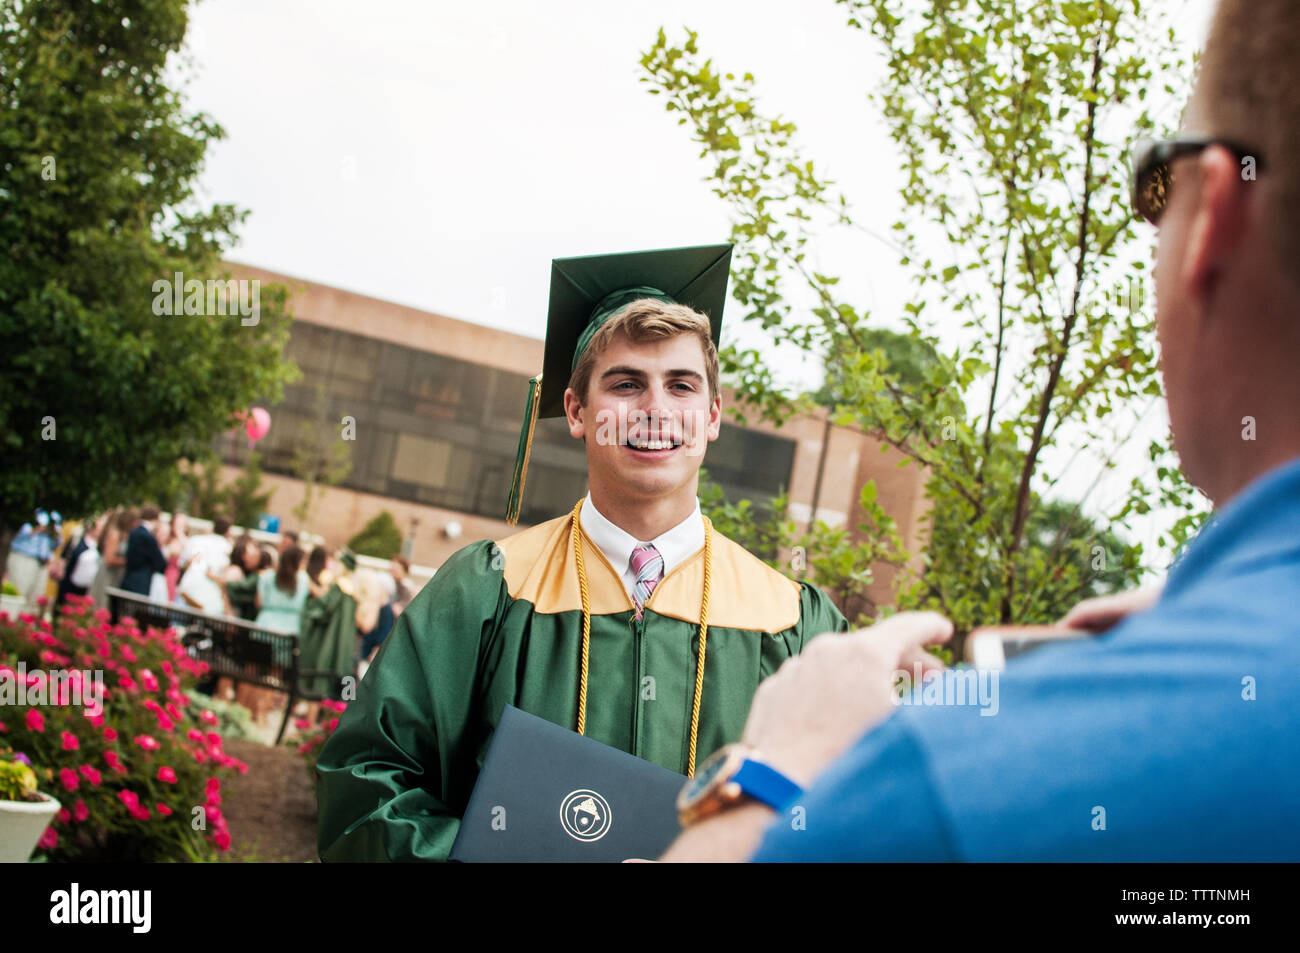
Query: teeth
(651,444)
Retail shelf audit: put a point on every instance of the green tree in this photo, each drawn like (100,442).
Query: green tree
(826,555)
(245,499)
(206,497)
(380,538)
(98,163)
(320,456)
(1005,115)
(907,355)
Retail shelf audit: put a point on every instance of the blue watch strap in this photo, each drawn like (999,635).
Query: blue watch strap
(766,784)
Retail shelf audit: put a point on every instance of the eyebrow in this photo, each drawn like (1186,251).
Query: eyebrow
(624,370)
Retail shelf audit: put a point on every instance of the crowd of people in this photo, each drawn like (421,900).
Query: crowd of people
(137,550)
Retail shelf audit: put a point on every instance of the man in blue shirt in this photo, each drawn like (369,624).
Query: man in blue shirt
(1173,736)
(29,557)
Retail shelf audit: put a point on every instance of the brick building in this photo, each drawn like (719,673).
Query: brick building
(437,404)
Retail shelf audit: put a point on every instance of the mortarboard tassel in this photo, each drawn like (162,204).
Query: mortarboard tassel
(516,497)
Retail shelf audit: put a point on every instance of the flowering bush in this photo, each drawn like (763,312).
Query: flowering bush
(313,737)
(17,779)
(233,719)
(139,770)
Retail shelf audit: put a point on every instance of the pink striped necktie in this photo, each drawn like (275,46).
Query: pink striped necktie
(648,567)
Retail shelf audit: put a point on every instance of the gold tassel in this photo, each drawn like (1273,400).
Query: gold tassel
(575,537)
(515,500)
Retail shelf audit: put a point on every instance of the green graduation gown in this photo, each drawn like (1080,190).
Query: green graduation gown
(328,637)
(500,623)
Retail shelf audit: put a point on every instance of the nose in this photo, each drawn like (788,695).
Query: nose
(656,403)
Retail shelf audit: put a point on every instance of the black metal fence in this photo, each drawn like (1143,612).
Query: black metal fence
(232,648)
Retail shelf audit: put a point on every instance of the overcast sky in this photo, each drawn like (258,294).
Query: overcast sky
(440,155)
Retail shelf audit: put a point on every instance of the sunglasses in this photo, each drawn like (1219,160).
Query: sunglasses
(1153,175)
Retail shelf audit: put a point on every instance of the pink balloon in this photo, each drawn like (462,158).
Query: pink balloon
(257,424)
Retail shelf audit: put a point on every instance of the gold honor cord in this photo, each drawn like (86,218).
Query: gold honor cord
(576,535)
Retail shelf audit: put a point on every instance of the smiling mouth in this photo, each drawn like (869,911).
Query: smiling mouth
(645,444)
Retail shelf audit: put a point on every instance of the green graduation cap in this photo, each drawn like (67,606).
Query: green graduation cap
(585,293)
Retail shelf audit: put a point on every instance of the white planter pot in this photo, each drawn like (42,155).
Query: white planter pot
(21,825)
(12,605)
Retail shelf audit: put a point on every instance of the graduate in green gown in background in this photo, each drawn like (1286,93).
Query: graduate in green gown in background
(327,641)
(656,651)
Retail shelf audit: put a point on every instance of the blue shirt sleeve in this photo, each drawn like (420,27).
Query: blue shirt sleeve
(875,803)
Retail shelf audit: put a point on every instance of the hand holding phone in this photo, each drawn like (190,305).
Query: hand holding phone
(989,647)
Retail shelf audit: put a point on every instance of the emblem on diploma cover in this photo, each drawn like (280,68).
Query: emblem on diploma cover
(585,815)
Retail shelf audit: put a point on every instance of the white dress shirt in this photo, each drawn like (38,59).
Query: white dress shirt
(675,546)
(87,566)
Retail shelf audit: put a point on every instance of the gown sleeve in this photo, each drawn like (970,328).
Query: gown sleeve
(817,614)
(394,778)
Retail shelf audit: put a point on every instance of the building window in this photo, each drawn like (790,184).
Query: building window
(436,430)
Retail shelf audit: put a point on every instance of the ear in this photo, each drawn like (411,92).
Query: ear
(1219,221)
(573,413)
(715,418)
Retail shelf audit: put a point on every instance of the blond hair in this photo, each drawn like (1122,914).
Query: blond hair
(648,319)
(369,594)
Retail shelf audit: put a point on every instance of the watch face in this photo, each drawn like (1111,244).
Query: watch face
(708,771)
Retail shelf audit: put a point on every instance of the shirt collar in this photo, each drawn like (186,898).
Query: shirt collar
(675,545)
(1260,525)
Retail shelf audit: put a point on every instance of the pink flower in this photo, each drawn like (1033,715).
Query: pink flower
(50,839)
(214,784)
(164,723)
(35,720)
(208,717)
(214,738)
(91,775)
(3,727)
(151,705)
(220,838)
(148,680)
(128,654)
(127,682)
(147,742)
(167,774)
(63,816)
(79,811)
(334,723)
(110,733)
(113,762)
(96,720)
(164,810)
(129,798)
(195,735)
(69,778)
(141,813)
(70,742)
(173,712)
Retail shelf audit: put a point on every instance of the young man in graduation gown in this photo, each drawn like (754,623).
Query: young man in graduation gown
(630,619)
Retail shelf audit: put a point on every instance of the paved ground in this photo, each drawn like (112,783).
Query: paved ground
(271,810)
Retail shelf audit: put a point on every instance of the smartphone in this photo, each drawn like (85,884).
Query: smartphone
(989,647)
